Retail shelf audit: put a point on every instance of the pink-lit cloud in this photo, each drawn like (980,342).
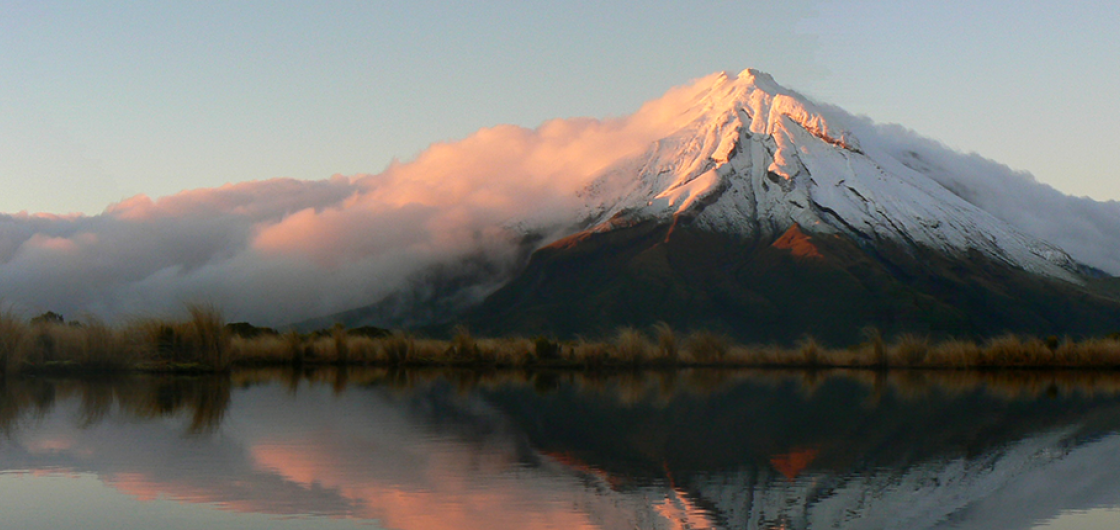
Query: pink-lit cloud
(279,251)
(282,250)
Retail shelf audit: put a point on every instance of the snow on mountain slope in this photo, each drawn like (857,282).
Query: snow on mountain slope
(1014,487)
(757,159)
(1085,228)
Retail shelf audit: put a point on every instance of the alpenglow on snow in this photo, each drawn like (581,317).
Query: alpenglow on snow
(755,159)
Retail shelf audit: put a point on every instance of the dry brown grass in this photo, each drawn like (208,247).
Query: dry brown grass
(590,354)
(954,354)
(810,353)
(1096,353)
(206,331)
(878,349)
(257,350)
(706,347)
(667,347)
(632,346)
(13,331)
(906,350)
(201,342)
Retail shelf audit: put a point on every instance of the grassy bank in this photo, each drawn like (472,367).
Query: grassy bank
(204,342)
(199,342)
(663,347)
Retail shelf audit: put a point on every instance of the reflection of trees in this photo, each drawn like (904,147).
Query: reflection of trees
(204,400)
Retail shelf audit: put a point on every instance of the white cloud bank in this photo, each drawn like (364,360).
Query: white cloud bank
(278,251)
(281,250)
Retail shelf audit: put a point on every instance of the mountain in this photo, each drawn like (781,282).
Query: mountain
(831,454)
(765,216)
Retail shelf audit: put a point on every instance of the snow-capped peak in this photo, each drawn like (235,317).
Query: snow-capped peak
(754,158)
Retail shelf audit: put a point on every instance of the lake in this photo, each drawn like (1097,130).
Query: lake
(692,449)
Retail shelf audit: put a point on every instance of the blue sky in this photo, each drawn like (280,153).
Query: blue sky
(100,101)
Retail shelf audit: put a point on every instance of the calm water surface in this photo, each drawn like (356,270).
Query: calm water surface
(464,450)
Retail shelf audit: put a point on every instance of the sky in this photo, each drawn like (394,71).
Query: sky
(101,101)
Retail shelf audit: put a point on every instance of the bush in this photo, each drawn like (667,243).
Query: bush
(249,331)
(545,349)
(50,317)
(371,332)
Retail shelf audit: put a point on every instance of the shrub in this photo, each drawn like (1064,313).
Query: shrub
(249,331)
(371,332)
(1052,342)
(50,317)
(545,349)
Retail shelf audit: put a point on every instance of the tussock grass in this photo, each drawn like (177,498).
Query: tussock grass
(667,347)
(878,348)
(632,346)
(203,341)
(12,334)
(810,352)
(954,354)
(463,346)
(706,347)
(907,350)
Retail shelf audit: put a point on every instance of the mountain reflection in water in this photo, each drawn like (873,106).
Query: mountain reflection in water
(694,449)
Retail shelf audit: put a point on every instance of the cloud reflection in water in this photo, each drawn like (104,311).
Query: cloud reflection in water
(695,450)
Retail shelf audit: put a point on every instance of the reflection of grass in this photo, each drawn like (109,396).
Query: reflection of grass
(629,386)
(203,342)
(203,401)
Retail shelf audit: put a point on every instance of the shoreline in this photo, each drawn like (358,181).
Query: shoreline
(205,343)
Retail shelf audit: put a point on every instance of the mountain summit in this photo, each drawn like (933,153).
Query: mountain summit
(759,159)
(763,215)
